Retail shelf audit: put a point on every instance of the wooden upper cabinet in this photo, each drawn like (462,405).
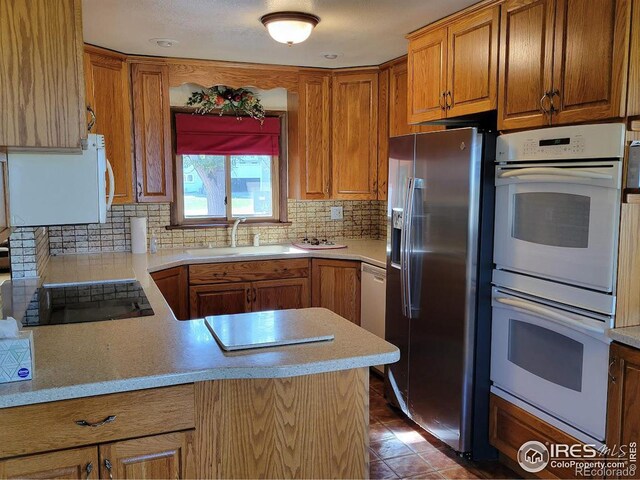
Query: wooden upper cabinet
(526,62)
(633,92)
(590,59)
(355,136)
(77,463)
(310,156)
(472,64)
(41,74)
(427,76)
(107,89)
(160,456)
(152,132)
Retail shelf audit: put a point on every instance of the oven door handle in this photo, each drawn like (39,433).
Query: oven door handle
(556,317)
(558,172)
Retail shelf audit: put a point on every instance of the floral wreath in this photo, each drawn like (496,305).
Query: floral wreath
(237,101)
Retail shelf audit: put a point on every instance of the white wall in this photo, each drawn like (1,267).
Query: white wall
(275,99)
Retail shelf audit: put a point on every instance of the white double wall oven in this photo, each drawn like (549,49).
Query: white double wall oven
(558,193)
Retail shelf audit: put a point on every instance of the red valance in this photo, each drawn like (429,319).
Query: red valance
(216,135)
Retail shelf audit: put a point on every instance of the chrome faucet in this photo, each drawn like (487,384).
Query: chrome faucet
(234,231)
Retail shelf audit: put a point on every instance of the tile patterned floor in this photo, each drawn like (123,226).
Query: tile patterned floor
(399,449)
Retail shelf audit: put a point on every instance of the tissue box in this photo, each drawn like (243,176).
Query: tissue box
(16,358)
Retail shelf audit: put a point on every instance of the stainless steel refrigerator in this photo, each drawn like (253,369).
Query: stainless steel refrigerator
(439,254)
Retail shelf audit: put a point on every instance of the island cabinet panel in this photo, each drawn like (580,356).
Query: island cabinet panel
(158,457)
(152,132)
(107,88)
(42,101)
(173,283)
(248,271)
(310,138)
(354,156)
(472,64)
(76,463)
(335,285)
(526,63)
(220,299)
(590,59)
(510,427)
(312,426)
(54,426)
(280,294)
(623,418)
(427,81)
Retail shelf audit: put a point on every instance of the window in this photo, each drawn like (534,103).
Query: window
(223,187)
(228,168)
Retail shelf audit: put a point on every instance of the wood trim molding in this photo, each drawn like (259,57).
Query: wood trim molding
(452,18)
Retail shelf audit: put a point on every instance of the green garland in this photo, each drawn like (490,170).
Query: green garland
(237,101)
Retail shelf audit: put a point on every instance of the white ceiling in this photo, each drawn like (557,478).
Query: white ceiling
(362,32)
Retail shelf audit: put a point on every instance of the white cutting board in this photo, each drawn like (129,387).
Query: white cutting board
(265,329)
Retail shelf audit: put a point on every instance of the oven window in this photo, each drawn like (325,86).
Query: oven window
(549,218)
(546,354)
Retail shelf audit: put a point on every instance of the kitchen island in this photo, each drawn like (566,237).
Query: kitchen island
(290,411)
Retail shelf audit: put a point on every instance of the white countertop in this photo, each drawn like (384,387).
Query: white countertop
(628,335)
(87,359)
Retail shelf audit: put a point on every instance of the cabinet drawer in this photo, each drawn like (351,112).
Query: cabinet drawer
(248,271)
(510,427)
(52,426)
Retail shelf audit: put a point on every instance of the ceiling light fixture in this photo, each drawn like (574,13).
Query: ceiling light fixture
(289,27)
(164,42)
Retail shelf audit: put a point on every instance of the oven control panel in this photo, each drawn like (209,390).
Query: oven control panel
(555,147)
(574,142)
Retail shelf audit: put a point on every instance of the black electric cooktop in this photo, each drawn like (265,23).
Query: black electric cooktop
(86,303)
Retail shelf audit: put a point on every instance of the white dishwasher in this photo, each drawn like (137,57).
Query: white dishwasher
(373,293)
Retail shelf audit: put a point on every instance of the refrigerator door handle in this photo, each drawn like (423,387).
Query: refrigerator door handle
(411,192)
(404,234)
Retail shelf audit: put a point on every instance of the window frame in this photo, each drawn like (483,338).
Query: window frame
(279,184)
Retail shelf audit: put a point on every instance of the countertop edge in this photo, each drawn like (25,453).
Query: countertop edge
(166,380)
(629,336)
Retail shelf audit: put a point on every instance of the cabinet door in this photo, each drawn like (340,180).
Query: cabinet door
(159,456)
(335,285)
(173,284)
(633,92)
(107,87)
(472,66)
(526,62)
(398,116)
(77,463)
(355,141)
(41,79)
(310,162)
(280,294)
(623,420)
(219,299)
(427,79)
(152,131)
(590,59)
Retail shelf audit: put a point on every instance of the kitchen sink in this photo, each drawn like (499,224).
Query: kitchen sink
(238,251)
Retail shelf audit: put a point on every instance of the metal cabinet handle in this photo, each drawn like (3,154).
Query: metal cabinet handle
(89,469)
(84,423)
(449,103)
(92,122)
(611,364)
(248,295)
(544,110)
(553,93)
(109,467)
(442,101)
(140,191)
(255,295)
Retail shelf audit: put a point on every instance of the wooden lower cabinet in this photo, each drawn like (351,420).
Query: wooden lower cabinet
(280,294)
(173,283)
(160,456)
(336,286)
(511,426)
(623,416)
(220,299)
(69,464)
